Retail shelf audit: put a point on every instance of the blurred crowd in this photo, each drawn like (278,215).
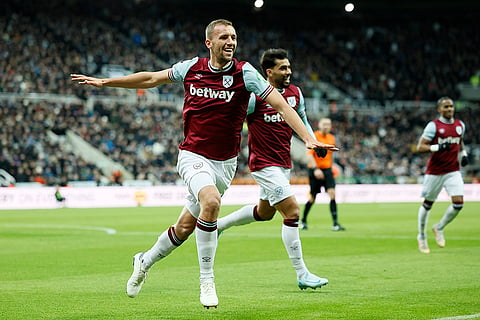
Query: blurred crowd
(144,140)
(373,58)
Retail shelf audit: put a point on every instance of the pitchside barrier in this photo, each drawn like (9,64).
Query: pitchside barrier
(104,197)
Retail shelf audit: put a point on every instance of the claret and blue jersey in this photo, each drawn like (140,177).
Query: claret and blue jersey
(216,104)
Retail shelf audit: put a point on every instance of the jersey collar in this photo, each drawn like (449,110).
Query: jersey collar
(445,120)
(226,68)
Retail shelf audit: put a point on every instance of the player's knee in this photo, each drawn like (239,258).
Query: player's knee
(262,216)
(293,216)
(183,230)
(288,208)
(265,214)
(211,203)
(293,213)
(331,193)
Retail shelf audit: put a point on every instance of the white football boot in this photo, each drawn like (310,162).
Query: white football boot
(208,294)
(439,237)
(134,284)
(423,245)
(309,280)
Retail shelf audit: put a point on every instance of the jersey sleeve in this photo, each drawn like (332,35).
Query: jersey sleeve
(252,101)
(463,127)
(179,70)
(302,112)
(254,82)
(429,131)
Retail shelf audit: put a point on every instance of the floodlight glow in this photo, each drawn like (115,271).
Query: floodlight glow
(258,3)
(349,7)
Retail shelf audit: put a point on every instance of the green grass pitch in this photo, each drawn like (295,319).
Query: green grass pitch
(74,263)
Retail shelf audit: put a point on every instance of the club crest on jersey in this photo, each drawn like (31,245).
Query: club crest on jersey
(291,101)
(227,81)
(441,130)
(458,129)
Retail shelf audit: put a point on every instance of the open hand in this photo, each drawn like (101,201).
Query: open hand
(85,80)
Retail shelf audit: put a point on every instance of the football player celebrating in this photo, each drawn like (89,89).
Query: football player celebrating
(270,163)
(217,90)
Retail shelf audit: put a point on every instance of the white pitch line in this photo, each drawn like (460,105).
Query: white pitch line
(62,226)
(470,316)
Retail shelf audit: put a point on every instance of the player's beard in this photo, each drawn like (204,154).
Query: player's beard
(281,83)
(285,83)
(227,56)
(222,57)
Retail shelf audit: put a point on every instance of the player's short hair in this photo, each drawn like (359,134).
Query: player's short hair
(268,58)
(211,26)
(439,101)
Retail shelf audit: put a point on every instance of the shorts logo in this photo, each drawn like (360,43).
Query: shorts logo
(458,129)
(278,191)
(198,165)
(227,81)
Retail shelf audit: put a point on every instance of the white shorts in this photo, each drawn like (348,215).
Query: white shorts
(198,172)
(274,184)
(433,184)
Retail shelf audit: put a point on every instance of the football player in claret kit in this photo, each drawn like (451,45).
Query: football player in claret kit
(443,138)
(269,139)
(217,90)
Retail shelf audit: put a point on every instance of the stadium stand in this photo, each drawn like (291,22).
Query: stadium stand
(375,76)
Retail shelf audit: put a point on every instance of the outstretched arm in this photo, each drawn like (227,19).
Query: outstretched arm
(139,80)
(276,100)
